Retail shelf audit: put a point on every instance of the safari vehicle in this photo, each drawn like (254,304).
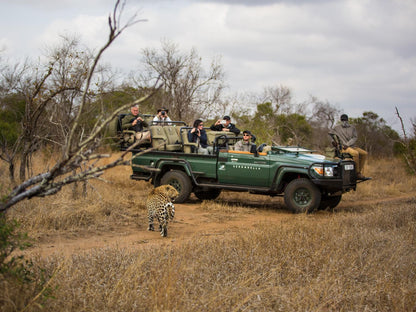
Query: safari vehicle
(305,179)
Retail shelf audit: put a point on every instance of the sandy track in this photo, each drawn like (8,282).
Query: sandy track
(190,222)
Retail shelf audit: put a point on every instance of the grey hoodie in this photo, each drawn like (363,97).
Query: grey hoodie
(346,133)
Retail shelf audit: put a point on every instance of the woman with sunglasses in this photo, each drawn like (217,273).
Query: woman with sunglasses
(198,135)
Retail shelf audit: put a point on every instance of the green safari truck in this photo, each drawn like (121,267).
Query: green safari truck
(305,179)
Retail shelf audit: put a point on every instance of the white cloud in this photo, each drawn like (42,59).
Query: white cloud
(358,54)
(91,29)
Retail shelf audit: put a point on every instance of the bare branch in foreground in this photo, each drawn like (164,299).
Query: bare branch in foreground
(78,161)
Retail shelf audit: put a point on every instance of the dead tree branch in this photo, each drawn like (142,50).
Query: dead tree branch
(408,154)
(79,148)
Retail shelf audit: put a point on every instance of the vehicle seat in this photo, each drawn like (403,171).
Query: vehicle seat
(212,135)
(187,146)
(173,140)
(159,138)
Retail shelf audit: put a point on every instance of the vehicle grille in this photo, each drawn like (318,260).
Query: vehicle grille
(349,176)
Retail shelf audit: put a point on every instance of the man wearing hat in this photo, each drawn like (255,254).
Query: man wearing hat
(244,144)
(162,116)
(225,124)
(348,137)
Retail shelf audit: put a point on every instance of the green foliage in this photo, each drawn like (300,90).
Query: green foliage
(11,240)
(23,282)
(294,129)
(11,114)
(9,132)
(374,135)
(272,127)
(264,113)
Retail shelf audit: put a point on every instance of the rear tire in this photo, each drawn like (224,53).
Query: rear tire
(180,181)
(302,196)
(207,194)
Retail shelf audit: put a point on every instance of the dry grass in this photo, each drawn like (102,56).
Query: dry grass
(362,257)
(390,179)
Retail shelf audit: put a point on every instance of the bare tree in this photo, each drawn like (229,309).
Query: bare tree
(79,147)
(408,145)
(324,117)
(187,90)
(324,114)
(280,97)
(68,75)
(50,91)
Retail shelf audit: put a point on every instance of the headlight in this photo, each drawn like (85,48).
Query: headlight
(325,171)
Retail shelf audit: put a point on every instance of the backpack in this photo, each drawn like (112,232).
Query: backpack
(115,128)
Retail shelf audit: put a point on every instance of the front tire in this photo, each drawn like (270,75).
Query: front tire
(302,196)
(180,181)
(329,202)
(207,194)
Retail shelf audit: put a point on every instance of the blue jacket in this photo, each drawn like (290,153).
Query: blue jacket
(203,139)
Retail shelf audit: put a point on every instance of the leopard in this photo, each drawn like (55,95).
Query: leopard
(159,204)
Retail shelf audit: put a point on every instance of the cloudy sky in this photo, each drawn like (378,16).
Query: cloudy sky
(360,55)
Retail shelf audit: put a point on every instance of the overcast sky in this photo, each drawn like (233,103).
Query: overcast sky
(360,55)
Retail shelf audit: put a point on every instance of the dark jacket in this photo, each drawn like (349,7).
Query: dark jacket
(126,123)
(203,139)
(231,126)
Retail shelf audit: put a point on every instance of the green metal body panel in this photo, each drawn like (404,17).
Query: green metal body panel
(265,172)
(244,169)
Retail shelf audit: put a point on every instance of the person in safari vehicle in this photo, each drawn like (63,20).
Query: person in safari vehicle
(162,116)
(245,144)
(347,134)
(225,124)
(135,122)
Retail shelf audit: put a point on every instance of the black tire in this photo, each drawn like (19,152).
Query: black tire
(329,202)
(207,194)
(302,196)
(181,182)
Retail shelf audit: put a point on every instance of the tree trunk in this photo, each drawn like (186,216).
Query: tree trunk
(23,163)
(11,173)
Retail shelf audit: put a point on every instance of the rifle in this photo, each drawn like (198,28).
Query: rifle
(336,142)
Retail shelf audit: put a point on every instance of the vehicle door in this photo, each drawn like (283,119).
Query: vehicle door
(243,168)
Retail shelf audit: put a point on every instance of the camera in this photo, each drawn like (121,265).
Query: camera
(163,113)
(223,122)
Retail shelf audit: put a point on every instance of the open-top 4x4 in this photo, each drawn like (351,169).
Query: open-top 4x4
(305,179)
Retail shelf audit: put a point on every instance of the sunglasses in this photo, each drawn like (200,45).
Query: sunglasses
(246,134)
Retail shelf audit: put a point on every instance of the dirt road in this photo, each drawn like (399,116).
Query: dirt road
(191,220)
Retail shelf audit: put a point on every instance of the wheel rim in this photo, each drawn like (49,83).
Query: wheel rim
(302,197)
(176,185)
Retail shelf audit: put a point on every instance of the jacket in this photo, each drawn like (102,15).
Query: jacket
(231,126)
(203,139)
(126,123)
(243,146)
(346,133)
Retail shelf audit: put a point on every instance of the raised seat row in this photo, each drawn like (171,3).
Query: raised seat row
(175,138)
(165,138)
